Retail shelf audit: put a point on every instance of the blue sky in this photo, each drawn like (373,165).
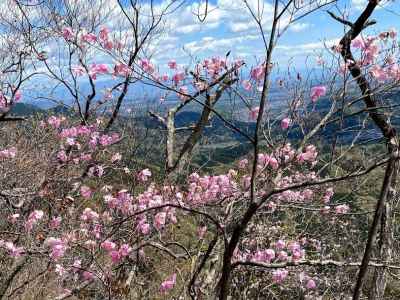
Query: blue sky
(230,27)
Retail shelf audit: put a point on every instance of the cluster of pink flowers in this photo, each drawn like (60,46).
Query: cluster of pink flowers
(123,202)
(247,85)
(5,104)
(285,123)
(370,52)
(279,275)
(121,69)
(208,189)
(75,131)
(149,209)
(144,175)
(68,33)
(284,251)
(98,69)
(12,249)
(116,254)
(147,66)
(57,246)
(33,218)
(172,64)
(55,121)
(85,139)
(258,73)
(342,209)
(309,155)
(168,283)
(88,37)
(317,92)
(8,153)
(309,282)
(253,114)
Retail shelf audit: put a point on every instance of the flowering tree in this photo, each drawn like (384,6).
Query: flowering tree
(280,221)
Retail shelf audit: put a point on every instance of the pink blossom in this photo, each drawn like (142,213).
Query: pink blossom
(201,231)
(62,156)
(278,276)
(328,195)
(13,218)
(54,121)
(125,250)
(280,244)
(168,284)
(246,85)
(342,209)
(108,245)
(116,157)
(243,163)
(89,38)
(97,230)
(33,218)
(238,63)
(358,42)
(89,215)
(87,276)
(67,33)
(86,192)
(144,227)
(285,123)
(78,70)
(144,175)
(146,66)
(258,73)
(109,45)
(115,256)
(4,106)
(264,255)
(70,141)
(378,73)
(96,171)
(282,256)
(178,77)
(392,33)
(55,222)
(164,77)
(17,95)
(58,247)
(103,33)
(159,220)
(309,155)
(8,153)
(172,64)
(13,250)
(183,93)
(273,162)
(253,114)
(311,284)
(60,270)
(99,68)
(121,70)
(317,92)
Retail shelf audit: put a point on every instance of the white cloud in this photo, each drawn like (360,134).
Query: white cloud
(362,4)
(359,4)
(297,27)
(306,48)
(218,45)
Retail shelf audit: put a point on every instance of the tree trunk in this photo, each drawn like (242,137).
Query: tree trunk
(385,241)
